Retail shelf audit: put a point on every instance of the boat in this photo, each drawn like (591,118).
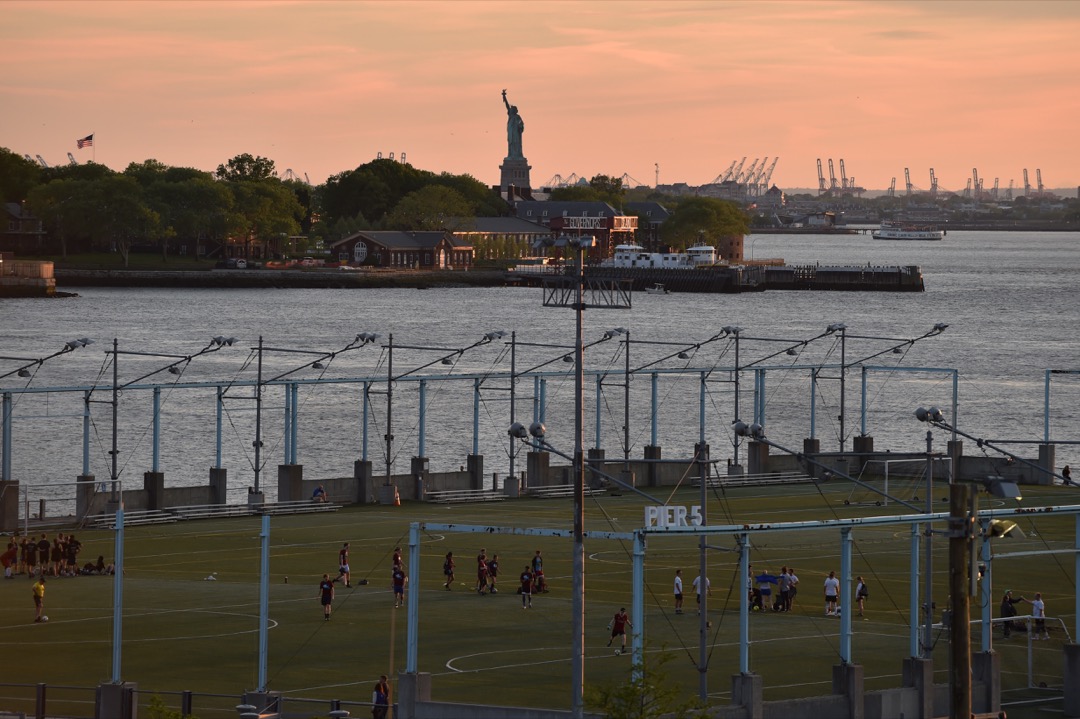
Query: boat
(634,255)
(905,231)
(657,289)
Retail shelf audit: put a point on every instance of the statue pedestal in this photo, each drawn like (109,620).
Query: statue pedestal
(514,172)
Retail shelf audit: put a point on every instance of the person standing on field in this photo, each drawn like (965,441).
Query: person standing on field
(448,570)
(39,597)
(343,565)
(832,592)
(618,626)
(526,588)
(326,595)
(678,591)
(380,698)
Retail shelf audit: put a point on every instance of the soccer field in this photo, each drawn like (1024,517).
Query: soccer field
(183,631)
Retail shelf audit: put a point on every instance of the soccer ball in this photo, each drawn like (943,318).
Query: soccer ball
(618,652)
(44,619)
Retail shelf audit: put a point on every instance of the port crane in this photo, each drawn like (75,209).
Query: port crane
(933,183)
(843,177)
(975,183)
(1038,179)
(833,186)
(723,176)
(71,159)
(821,179)
(1027,185)
(745,179)
(42,162)
(907,180)
(768,175)
(892,188)
(1009,192)
(994,192)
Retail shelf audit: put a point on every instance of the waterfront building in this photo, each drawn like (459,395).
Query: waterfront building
(439,249)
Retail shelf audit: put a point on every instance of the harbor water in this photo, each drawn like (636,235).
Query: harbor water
(1009,299)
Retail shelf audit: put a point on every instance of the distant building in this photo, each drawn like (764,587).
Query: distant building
(432,250)
(22,232)
(501,237)
(655,214)
(598,219)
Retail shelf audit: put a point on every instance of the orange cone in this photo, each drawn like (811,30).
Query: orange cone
(397,498)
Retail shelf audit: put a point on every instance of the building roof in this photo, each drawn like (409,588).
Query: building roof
(396,240)
(653,210)
(560,208)
(503,226)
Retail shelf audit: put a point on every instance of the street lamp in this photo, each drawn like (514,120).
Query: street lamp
(25,370)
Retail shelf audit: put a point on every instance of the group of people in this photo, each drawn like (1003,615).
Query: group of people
(697,585)
(1038,614)
(58,557)
(759,588)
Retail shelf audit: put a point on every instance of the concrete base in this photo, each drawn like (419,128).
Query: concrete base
(594,461)
(1071,677)
(986,673)
(254,498)
(701,455)
(653,452)
(418,467)
(537,466)
(219,483)
(290,482)
(117,701)
(154,484)
(757,457)
(628,478)
(84,496)
(747,691)
(847,681)
(365,482)
(918,674)
(411,688)
(863,445)
(388,495)
(267,704)
(1047,460)
(474,464)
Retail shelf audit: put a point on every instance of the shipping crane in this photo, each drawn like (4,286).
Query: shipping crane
(1027,185)
(750,172)
(738,170)
(657,166)
(994,192)
(754,182)
(892,188)
(967,190)
(933,183)
(1009,192)
(41,161)
(821,179)
(975,183)
(833,186)
(1038,179)
(71,159)
(28,158)
(843,177)
(907,180)
(768,174)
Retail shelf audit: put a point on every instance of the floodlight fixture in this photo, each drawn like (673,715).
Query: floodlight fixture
(317,365)
(24,372)
(836,327)
(1001,528)
(584,242)
(538,430)
(517,431)
(495,335)
(932,415)
(1004,489)
(82,342)
(175,369)
(223,341)
(568,358)
(447,360)
(792,352)
(743,429)
(940,327)
(683,356)
(608,334)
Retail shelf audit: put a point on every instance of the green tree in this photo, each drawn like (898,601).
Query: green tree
(197,210)
(17,176)
(431,208)
(696,215)
(120,215)
(649,694)
(245,167)
(264,212)
(64,206)
(158,710)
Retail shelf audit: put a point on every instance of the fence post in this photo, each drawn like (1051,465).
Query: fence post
(185,703)
(39,703)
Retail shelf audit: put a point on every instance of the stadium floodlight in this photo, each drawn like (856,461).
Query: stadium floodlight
(25,370)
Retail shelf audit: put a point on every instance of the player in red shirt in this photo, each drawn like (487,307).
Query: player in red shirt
(526,588)
(618,626)
(326,595)
(343,565)
(481,572)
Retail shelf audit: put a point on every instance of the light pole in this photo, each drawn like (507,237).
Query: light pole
(25,371)
(321,357)
(448,356)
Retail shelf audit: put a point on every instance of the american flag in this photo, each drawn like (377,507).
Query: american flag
(87,141)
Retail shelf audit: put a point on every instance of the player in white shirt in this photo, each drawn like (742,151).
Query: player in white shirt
(678,591)
(832,593)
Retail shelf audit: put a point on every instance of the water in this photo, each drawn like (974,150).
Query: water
(1009,300)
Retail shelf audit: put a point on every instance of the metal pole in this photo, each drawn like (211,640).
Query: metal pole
(735,451)
(389,437)
(960,634)
(653,407)
(599,407)
(218,426)
(846,605)
(577,610)
(913,594)
(476,416)
(118,591)
(364,422)
(423,419)
(115,403)
(513,401)
(703,563)
(626,407)
(264,598)
(744,602)
(637,609)
(928,536)
(843,383)
(288,424)
(987,593)
(5,467)
(156,433)
(258,417)
(412,602)
(85,437)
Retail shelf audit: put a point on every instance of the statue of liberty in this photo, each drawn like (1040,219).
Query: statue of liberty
(514,127)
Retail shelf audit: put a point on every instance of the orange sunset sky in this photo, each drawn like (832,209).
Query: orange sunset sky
(607,87)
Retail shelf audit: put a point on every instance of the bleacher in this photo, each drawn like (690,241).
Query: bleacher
(300,506)
(758,480)
(209,511)
(558,490)
(456,496)
(133,518)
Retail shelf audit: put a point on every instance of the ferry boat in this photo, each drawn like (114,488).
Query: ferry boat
(634,255)
(901,231)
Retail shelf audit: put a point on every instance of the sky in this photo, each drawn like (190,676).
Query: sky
(673,90)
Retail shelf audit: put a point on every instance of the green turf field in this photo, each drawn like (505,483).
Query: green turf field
(182,631)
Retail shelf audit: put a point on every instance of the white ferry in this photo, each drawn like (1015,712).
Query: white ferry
(901,231)
(634,255)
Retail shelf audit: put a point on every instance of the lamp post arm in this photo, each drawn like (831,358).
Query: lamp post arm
(454,353)
(70,347)
(183,359)
(987,443)
(685,348)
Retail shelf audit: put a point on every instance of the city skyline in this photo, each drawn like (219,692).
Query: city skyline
(675,91)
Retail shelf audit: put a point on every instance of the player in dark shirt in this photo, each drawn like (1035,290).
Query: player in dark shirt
(539,582)
(398,580)
(493,573)
(526,588)
(619,623)
(326,595)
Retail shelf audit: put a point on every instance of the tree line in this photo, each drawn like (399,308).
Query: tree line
(92,208)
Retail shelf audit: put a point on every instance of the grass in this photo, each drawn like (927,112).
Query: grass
(181,631)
